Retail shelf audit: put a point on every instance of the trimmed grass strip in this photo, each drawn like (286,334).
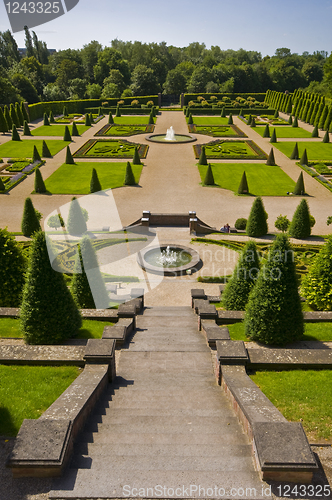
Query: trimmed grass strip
(315,150)
(56,130)
(285,132)
(15,149)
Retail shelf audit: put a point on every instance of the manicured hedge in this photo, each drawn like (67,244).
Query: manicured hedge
(37,110)
(127,100)
(192,97)
(124,111)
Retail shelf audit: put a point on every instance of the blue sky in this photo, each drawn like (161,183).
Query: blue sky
(262,25)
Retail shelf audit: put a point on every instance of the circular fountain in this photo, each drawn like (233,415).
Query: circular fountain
(170,260)
(171,137)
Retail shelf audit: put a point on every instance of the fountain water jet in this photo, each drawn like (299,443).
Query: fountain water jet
(170,135)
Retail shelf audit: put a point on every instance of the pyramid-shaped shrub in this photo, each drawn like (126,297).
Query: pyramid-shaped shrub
(299,186)
(74,130)
(30,223)
(76,224)
(300,226)
(209,179)
(129,177)
(257,225)
(270,160)
(39,182)
(136,158)
(243,187)
(46,153)
(95,185)
(202,157)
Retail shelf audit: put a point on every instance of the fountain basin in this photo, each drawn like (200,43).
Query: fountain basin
(154,260)
(178,138)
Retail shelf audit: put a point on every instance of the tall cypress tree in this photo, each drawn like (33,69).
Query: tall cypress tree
(295,153)
(267,131)
(66,135)
(19,114)
(110,118)
(13,116)
(271,161)
(26,130)
(3,123)
(15,135)
(74,130)
(7,117)
(35,155)
(24,112)
(69,157)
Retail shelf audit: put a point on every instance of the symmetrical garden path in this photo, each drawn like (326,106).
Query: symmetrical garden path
(164,422)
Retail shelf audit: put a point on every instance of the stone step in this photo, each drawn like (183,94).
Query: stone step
(162,381)
(145,410)
(169,311)
(154,345)
(143,322)
(106,483)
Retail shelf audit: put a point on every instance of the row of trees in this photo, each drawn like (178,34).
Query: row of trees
(135,68)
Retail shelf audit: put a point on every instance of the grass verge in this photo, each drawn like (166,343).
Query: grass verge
(284,132)
(313,331)
(56,130)
(24,149)
(315,150)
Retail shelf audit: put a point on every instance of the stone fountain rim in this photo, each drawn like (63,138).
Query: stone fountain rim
(168,271)
(191,138)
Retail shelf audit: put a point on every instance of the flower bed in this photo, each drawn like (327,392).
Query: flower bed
(217,131)
(247,150)
(124,130)
(95,148)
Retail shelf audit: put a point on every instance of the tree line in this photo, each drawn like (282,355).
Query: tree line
(136,68)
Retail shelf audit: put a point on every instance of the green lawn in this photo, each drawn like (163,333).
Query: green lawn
(110,148)
(10,327)
(217,130)
(56,130)
(263,180)
(315,150)
(132,120)
(283,132)
(124,130)
(27,391)
(209,120)
(231,149)
(75,179)
(301,395)
(313,331)
(24,149)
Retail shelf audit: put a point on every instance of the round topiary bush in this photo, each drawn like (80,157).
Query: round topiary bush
(241,224)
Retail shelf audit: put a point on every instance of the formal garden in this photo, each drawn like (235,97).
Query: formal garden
(109,148)
(231,149)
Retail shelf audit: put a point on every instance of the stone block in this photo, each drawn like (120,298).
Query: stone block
(197,293)
(213,332)
(99,351)
(231,352)
(138,293)
(120,331)
(230,317)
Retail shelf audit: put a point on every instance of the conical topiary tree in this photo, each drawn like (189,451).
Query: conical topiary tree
(326,137)
(26,130)
(110,118)
(276,114)
(69,157)
(12,270)
(129,177)
(100,112)
(15,134)
(66,135)
(48,313)
(300,226)
(51,117)
(91,119)
(253,122)
(241,112)
(7,117)
(316,285)
(295,122)
(3,123)
(267,131)
(24,112)
(295,153)
(74,130)
(236,293)
(223,112)
(249,120)
(35,155)
(87,120)
(19,114)
(151,120)
(304,158)
(87,286)
(315,132)
(94,183)
(30,223)
(202,157)
(271,161)
(243,187)
(14,116)
(76,224)
(39,182)
(136,158)
(46,120)
(46,153)
(118,113)
(273,136)
(209,179)
(299,186)
(65,111)
(190,119)
(230,119)
(257,225)
(290,120)
(273,313)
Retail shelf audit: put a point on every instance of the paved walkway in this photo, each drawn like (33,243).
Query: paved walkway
(164,422)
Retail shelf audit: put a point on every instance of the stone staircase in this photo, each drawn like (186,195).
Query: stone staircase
(165,429)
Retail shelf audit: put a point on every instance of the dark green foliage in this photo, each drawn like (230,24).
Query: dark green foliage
(110,118)
(129,177)
(326,137)
(19,114)
(273,313)
(236,293)
(295,153)
(48,314)
(266,131)
(282,223)
(253,122)
(249,120)
(290,120)
(316,285)
(273,136)
(240,224)
(14,116)
(51,117)
(299,187)
(46,153)
(153,112)
(26,130)
(35,155)
(276,114)
(65,111)
(136,158)
(74,130)
(304,158)
(295,122)
(15,134)
(323,117)
(94,183)
(66,135)
(300,226)
(7,117)
(257,225)
(151,120)
(91,119)
(3,122)
(46,120)
(2,186)
(190,119)
(69,157)
(118,113)
(223,112)
(76,224)
(271,161)
(241,112)
(86,261)
(24,112)
(187,112)
(243,187)
(39,183)
(209,179)
(30,223)
(100,112)
(230,119)
(12,270)
(315,132)
(87,120)
(202,157)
